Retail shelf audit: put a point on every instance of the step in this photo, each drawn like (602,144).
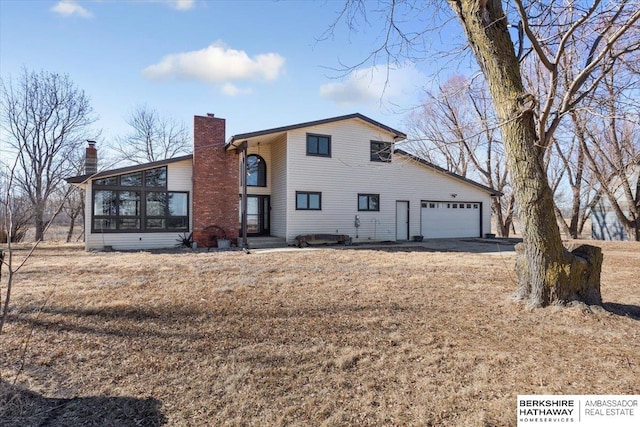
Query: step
(264,242)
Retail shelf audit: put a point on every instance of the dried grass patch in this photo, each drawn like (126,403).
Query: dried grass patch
(323,337)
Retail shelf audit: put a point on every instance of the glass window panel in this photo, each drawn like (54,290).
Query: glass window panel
(253,225)
(312,144)
(252,205)
(155,224)
(323,145)
(319,145)
(380,151)
(256,171)
(370,202)
(129,203)
(301,201)
(113,181)
(363,203)
(104,203)
(177,204)
(252,171)
(100,224)
(131,180)
(177,223)
(156,177)
(128,223)
(156,204)
(374,203)
(314,201)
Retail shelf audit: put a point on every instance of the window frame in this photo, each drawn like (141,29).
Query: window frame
(260,165)
(143,190)
(318,153)
(380,151)
(307,194)
(369,197)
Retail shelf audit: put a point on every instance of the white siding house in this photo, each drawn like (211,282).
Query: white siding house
(412,197)
(342,175)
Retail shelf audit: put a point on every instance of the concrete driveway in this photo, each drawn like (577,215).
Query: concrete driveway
(473,245)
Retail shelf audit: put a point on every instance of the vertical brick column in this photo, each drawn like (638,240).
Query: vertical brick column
(215,180)
(91,158)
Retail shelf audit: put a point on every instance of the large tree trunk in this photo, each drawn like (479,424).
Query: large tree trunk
(504,220)
(547,272)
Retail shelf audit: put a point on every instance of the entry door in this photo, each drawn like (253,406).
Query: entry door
(402,220)
(258,215)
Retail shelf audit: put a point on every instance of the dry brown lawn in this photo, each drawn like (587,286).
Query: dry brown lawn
(326,337)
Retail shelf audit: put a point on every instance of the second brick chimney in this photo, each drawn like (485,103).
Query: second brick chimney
(91,158)
(215,181)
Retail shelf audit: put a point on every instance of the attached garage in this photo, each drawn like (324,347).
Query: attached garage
(450,219)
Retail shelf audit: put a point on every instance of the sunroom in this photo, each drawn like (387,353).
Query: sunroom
(142,206)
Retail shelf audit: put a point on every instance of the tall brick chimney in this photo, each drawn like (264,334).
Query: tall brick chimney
(215,180)
(91,158)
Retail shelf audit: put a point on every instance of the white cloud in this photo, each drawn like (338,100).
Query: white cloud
(230,89)
(175,4)
(183,4)
(69,8)
(217,64)
(374,85)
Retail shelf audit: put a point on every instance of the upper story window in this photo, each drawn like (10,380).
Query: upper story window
(381,151)
(318,145)
(131,180)
(156,178)
(112,181)
(256,171)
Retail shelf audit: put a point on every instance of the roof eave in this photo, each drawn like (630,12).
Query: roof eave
(397,135)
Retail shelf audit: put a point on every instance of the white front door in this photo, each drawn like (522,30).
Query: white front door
(402,220)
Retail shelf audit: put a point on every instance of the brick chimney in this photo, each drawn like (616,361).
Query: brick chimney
(215,180)
(91,158)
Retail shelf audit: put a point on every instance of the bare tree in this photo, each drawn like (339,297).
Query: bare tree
(454,126)
(15,212)
(602,33)
(152,137)
(612,149)
(73,208)
(574,175)
(45,118)
(7,256)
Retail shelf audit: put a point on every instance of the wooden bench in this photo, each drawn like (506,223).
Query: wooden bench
(304,240)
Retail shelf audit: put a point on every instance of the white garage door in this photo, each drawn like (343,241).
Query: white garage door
(449,219)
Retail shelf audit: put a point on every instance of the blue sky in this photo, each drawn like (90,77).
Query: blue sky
(258,64)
